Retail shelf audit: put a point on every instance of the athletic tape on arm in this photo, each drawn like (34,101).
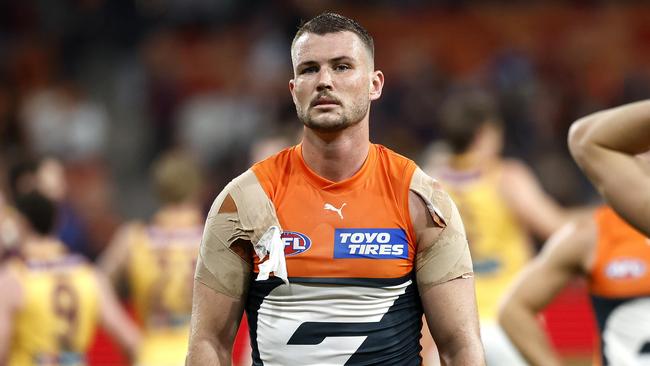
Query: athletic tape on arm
(218,266)
(447,256)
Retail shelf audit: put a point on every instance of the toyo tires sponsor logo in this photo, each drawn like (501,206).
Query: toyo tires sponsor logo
(370,243)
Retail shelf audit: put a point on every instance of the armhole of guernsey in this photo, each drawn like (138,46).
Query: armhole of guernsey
(219,266)
(449,256)
(604,217)
(615,236)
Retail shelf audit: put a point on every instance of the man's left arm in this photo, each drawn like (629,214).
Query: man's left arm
(444,276)
(12,297)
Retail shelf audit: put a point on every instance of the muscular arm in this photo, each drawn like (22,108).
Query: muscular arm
(220,288)
(215,320)
(522,191)
(113,260)
(564,256)
(9,302)
(115,320)
(605,145)
(449,304)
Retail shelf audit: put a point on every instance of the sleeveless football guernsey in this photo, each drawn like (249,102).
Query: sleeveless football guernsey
(619,284)
(59,315)
(499,245)
(349,251)
(160,272)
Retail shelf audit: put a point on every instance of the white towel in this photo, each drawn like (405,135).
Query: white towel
(270,243)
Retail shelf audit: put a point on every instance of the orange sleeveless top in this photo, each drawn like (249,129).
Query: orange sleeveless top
(349,251)
(620,291)
(357,228)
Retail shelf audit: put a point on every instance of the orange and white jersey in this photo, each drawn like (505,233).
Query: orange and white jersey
(349,251)
(620,290)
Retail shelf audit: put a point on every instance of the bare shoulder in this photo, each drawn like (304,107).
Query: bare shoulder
(12,291)
(514,169)
(573,245)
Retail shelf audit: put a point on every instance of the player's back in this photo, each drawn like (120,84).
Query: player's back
(499,245)
(161,267)
(59,312)
(619,284)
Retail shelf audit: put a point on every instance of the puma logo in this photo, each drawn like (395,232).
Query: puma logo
(330,207)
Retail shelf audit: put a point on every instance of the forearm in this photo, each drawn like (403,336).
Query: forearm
(625,129)
(209,352)
(468,353)
(5,335)
(527,335)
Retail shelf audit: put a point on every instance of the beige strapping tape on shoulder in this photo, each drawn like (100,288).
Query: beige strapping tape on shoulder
(448,257)
(218,266)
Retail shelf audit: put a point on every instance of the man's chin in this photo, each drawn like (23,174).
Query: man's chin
(326,124)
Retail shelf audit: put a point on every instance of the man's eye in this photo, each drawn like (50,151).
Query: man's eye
(342,67)
(309,70)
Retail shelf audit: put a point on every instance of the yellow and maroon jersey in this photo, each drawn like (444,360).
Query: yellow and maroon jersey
(619,284)
(161,267)
(499,244)
(59,315)
(349,250)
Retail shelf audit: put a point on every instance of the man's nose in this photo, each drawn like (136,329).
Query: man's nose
(324,80)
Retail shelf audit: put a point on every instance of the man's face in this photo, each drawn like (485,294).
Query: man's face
(334,80)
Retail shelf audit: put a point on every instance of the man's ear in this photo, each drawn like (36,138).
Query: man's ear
(292,86)
(376,84)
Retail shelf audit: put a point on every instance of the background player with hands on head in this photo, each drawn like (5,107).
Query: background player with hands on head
(606,145)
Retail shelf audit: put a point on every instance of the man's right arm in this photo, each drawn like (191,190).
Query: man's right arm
(220,286)
(565,255)
(605,145)
(215,320)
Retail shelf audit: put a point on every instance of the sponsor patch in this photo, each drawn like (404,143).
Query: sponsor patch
(295,243)
(627,268)
(370,243)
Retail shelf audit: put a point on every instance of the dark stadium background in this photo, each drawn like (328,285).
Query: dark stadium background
(106,85)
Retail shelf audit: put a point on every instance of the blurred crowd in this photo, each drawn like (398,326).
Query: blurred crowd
(106,86)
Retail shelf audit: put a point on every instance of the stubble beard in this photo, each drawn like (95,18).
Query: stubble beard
(334,124)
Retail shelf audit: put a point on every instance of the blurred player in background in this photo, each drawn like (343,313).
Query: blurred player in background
(11,229)
(615,260)
(52,301)
(158,259)
(606,146)
(48,176)
(501,203)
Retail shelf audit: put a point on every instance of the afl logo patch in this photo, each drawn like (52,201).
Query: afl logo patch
(295,243)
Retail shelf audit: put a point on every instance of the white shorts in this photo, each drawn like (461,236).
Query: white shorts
(499,351)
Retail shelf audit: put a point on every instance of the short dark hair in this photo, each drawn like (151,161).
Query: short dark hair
(462,116)
(39,211)
(332,23)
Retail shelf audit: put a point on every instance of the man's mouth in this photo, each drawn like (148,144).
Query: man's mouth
(325,102)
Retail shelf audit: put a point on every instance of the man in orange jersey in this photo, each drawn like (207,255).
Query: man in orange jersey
(336,246)
(615,260)
(52,301)
(607,145)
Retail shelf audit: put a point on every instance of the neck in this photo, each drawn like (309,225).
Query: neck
(338,155)
(38,247)
(179,214)
(471,160)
